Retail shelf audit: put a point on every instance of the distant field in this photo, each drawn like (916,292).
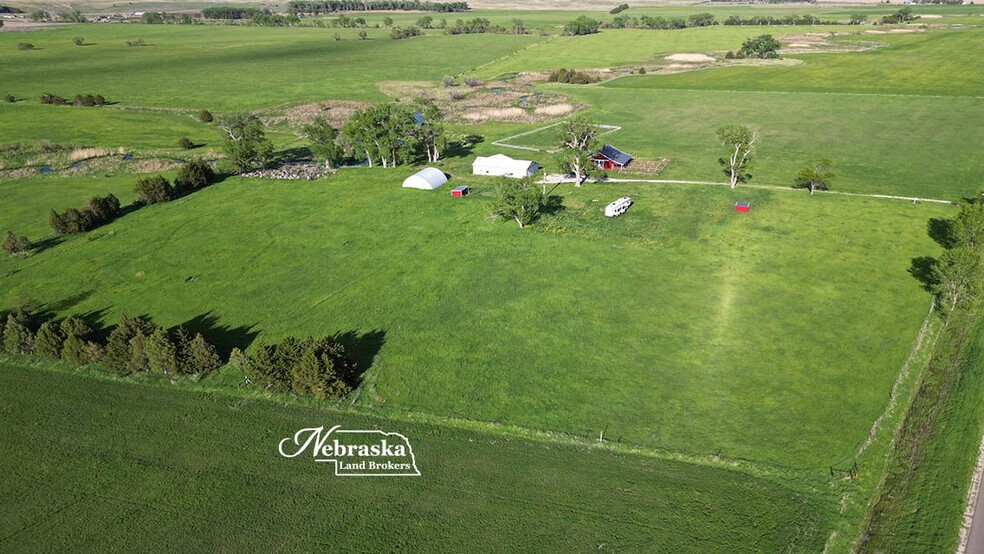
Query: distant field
(233,68)
(943,63)
(720,341)
(625,47)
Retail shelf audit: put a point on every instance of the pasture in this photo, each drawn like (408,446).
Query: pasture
(721,346)
(937,63)
(230,68)
(729,359)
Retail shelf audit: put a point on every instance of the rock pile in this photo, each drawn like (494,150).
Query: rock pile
(291,172)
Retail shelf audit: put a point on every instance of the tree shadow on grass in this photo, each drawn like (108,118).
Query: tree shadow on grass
(361,349)
(553,205)
(922,271)
(44,244)
(941,231)
(293,155)
(462,147)
(223,337)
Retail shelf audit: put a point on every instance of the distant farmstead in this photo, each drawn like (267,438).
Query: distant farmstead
(610,158)
(503,166)
(428,178)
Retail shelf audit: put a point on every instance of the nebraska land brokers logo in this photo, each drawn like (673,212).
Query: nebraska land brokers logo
(355,453)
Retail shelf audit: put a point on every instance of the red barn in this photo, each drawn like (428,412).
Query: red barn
(610,158)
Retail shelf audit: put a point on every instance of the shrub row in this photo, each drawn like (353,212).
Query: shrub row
(192,176)
(100,210)
(80,100)
(331,6)
(399,33)
(572,76)
(97,211)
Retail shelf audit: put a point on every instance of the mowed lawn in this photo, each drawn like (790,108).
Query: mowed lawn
(91,465)
(935,63)
(233,68)
(773,336)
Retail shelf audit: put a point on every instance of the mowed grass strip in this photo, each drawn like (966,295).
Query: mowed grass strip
(90,463)
(233,68)
(773,337)
(935,63)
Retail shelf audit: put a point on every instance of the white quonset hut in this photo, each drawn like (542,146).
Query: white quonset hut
(428,178)
(504,166)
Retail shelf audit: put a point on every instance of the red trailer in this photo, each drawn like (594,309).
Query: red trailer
(741,207)
(458,192)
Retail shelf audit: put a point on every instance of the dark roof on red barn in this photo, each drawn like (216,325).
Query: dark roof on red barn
(615,155)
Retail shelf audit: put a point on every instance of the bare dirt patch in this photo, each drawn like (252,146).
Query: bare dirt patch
(689,58)
(336,112)
(510,99)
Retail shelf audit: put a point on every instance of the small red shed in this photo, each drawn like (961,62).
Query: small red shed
(741,207)
(458,192)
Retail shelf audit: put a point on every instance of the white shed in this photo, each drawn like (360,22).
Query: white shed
(504,166)
(428,178)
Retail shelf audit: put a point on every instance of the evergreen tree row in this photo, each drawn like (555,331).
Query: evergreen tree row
(135,345)
(316,366)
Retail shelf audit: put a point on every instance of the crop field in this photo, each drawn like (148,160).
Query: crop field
(213,480)
(729,363)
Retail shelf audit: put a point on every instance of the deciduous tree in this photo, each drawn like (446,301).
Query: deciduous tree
(323,142)
(518,199)
(245,141)
(430,133)
(817,176)
(578,140)
(739,142)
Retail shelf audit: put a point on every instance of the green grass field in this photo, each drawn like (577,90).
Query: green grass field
(889,145)
(627,47)
(729,359)
(707,353)
(938,63)
(233,68)
(186,471)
